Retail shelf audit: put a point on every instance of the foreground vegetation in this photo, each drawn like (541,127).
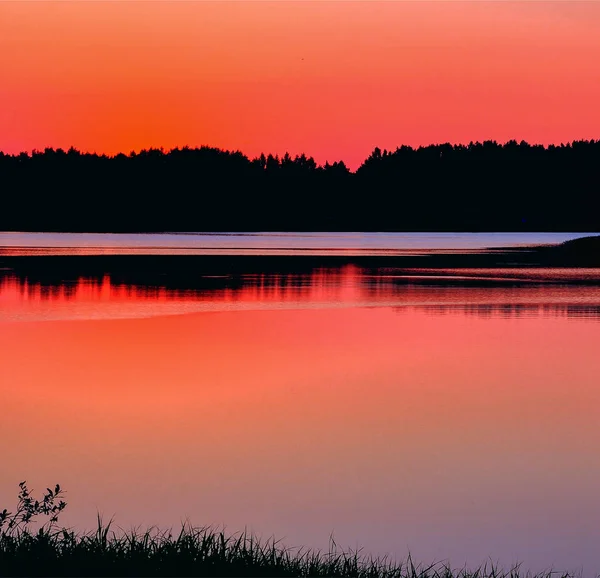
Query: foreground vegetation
(54,551)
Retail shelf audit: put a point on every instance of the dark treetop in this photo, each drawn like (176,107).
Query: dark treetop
(476,187)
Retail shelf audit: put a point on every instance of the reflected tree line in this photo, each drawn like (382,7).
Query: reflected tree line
(475,187)
(309,286)
(516,310)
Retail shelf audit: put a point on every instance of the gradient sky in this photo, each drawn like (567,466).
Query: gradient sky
(332,79)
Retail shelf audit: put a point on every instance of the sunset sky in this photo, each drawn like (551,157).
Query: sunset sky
(332,79)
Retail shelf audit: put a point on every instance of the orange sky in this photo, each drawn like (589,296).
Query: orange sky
(332,79)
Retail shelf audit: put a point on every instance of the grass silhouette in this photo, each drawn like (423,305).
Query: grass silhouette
(193,551)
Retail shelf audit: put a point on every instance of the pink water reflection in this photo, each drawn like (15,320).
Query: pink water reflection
(381,410)
(503,292)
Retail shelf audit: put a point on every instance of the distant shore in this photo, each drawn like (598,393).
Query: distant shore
(480,186)
(581,252)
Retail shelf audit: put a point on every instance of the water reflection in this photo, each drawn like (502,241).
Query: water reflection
(55,293)
(455,416)
(307,243)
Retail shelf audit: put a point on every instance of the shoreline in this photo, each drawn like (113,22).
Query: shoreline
(580,252)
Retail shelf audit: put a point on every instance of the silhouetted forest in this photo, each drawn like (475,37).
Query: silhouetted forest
(476,187)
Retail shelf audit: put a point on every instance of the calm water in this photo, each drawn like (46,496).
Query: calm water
(267,243)
(452,414)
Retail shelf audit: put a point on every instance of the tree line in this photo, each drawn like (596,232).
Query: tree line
(485,186)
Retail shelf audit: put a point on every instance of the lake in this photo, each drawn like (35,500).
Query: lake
(451,413)
(286,244)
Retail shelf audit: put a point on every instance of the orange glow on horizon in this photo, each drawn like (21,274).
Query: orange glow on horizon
(331,79)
